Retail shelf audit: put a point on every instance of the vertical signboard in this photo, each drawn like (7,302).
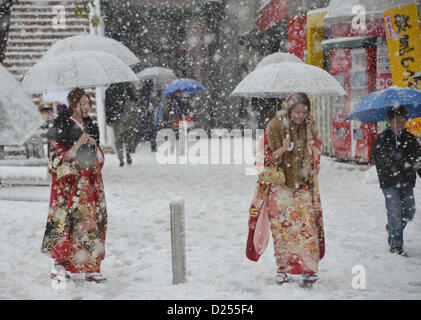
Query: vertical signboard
(358,83)
(383,75)
(403,35)
(315,25)
(341,140)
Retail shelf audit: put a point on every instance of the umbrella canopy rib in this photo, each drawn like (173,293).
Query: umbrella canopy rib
(104,68)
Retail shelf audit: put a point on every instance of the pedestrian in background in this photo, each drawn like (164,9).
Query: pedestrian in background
(145,123)
(157,117)
(120,112)
(176,110)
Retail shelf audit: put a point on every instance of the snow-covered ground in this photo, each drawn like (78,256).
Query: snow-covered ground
(217,198)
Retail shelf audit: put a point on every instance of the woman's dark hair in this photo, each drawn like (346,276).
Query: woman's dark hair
(74,98)
(393,112)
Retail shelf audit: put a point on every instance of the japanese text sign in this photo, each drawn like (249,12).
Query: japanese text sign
(402,26)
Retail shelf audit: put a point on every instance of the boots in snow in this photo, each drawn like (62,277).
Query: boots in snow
(398,251)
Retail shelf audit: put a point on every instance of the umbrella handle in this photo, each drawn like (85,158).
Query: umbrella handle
(291,146)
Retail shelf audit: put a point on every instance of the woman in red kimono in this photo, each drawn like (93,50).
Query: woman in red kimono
(77,217)
(287,198)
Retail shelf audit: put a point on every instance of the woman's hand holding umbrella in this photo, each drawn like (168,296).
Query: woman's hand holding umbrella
(92,141)
(280,151)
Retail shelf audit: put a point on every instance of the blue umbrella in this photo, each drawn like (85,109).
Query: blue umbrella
(189,86)
(373,108)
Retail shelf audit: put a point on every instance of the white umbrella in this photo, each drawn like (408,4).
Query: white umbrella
(52,97)
(158,74)
(284,78)
(95,43)
(82,69)
(278,57)
(19,116)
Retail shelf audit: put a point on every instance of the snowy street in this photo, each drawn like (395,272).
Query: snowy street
(217,198)
(184,98)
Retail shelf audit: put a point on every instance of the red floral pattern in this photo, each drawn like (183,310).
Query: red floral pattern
(296,219)
(77,217)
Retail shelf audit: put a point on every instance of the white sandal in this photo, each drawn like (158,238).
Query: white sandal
(281,278)
(95,277)
(310,278)
(60,275)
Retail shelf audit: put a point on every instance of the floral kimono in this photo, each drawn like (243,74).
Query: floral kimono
(294,218)
(77,217)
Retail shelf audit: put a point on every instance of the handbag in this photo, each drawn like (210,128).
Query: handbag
(86,156)
(272,175)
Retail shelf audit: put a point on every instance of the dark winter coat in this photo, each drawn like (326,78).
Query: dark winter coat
(176,108)
(396,160)
(116,97)
(67,133)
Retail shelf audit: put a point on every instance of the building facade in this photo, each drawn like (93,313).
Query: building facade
(358,52)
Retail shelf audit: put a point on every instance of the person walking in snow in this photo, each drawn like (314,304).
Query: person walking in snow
(145,126)
(396,154)
(287,198)
(157,116)
(121,111)
(176,111)
(77,218)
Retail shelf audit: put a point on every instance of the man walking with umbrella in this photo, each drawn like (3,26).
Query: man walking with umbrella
(177,109)
(397,156)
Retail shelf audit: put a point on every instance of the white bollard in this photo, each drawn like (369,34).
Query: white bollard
(178,243)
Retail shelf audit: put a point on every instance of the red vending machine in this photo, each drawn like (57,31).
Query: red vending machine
(355,69)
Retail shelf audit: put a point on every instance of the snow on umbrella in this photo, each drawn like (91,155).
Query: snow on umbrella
(280,79)
(92,43)
(373,107)
(52,97)
(19,116)
(158,74)
(187,85)
(81,69)
(278,57)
